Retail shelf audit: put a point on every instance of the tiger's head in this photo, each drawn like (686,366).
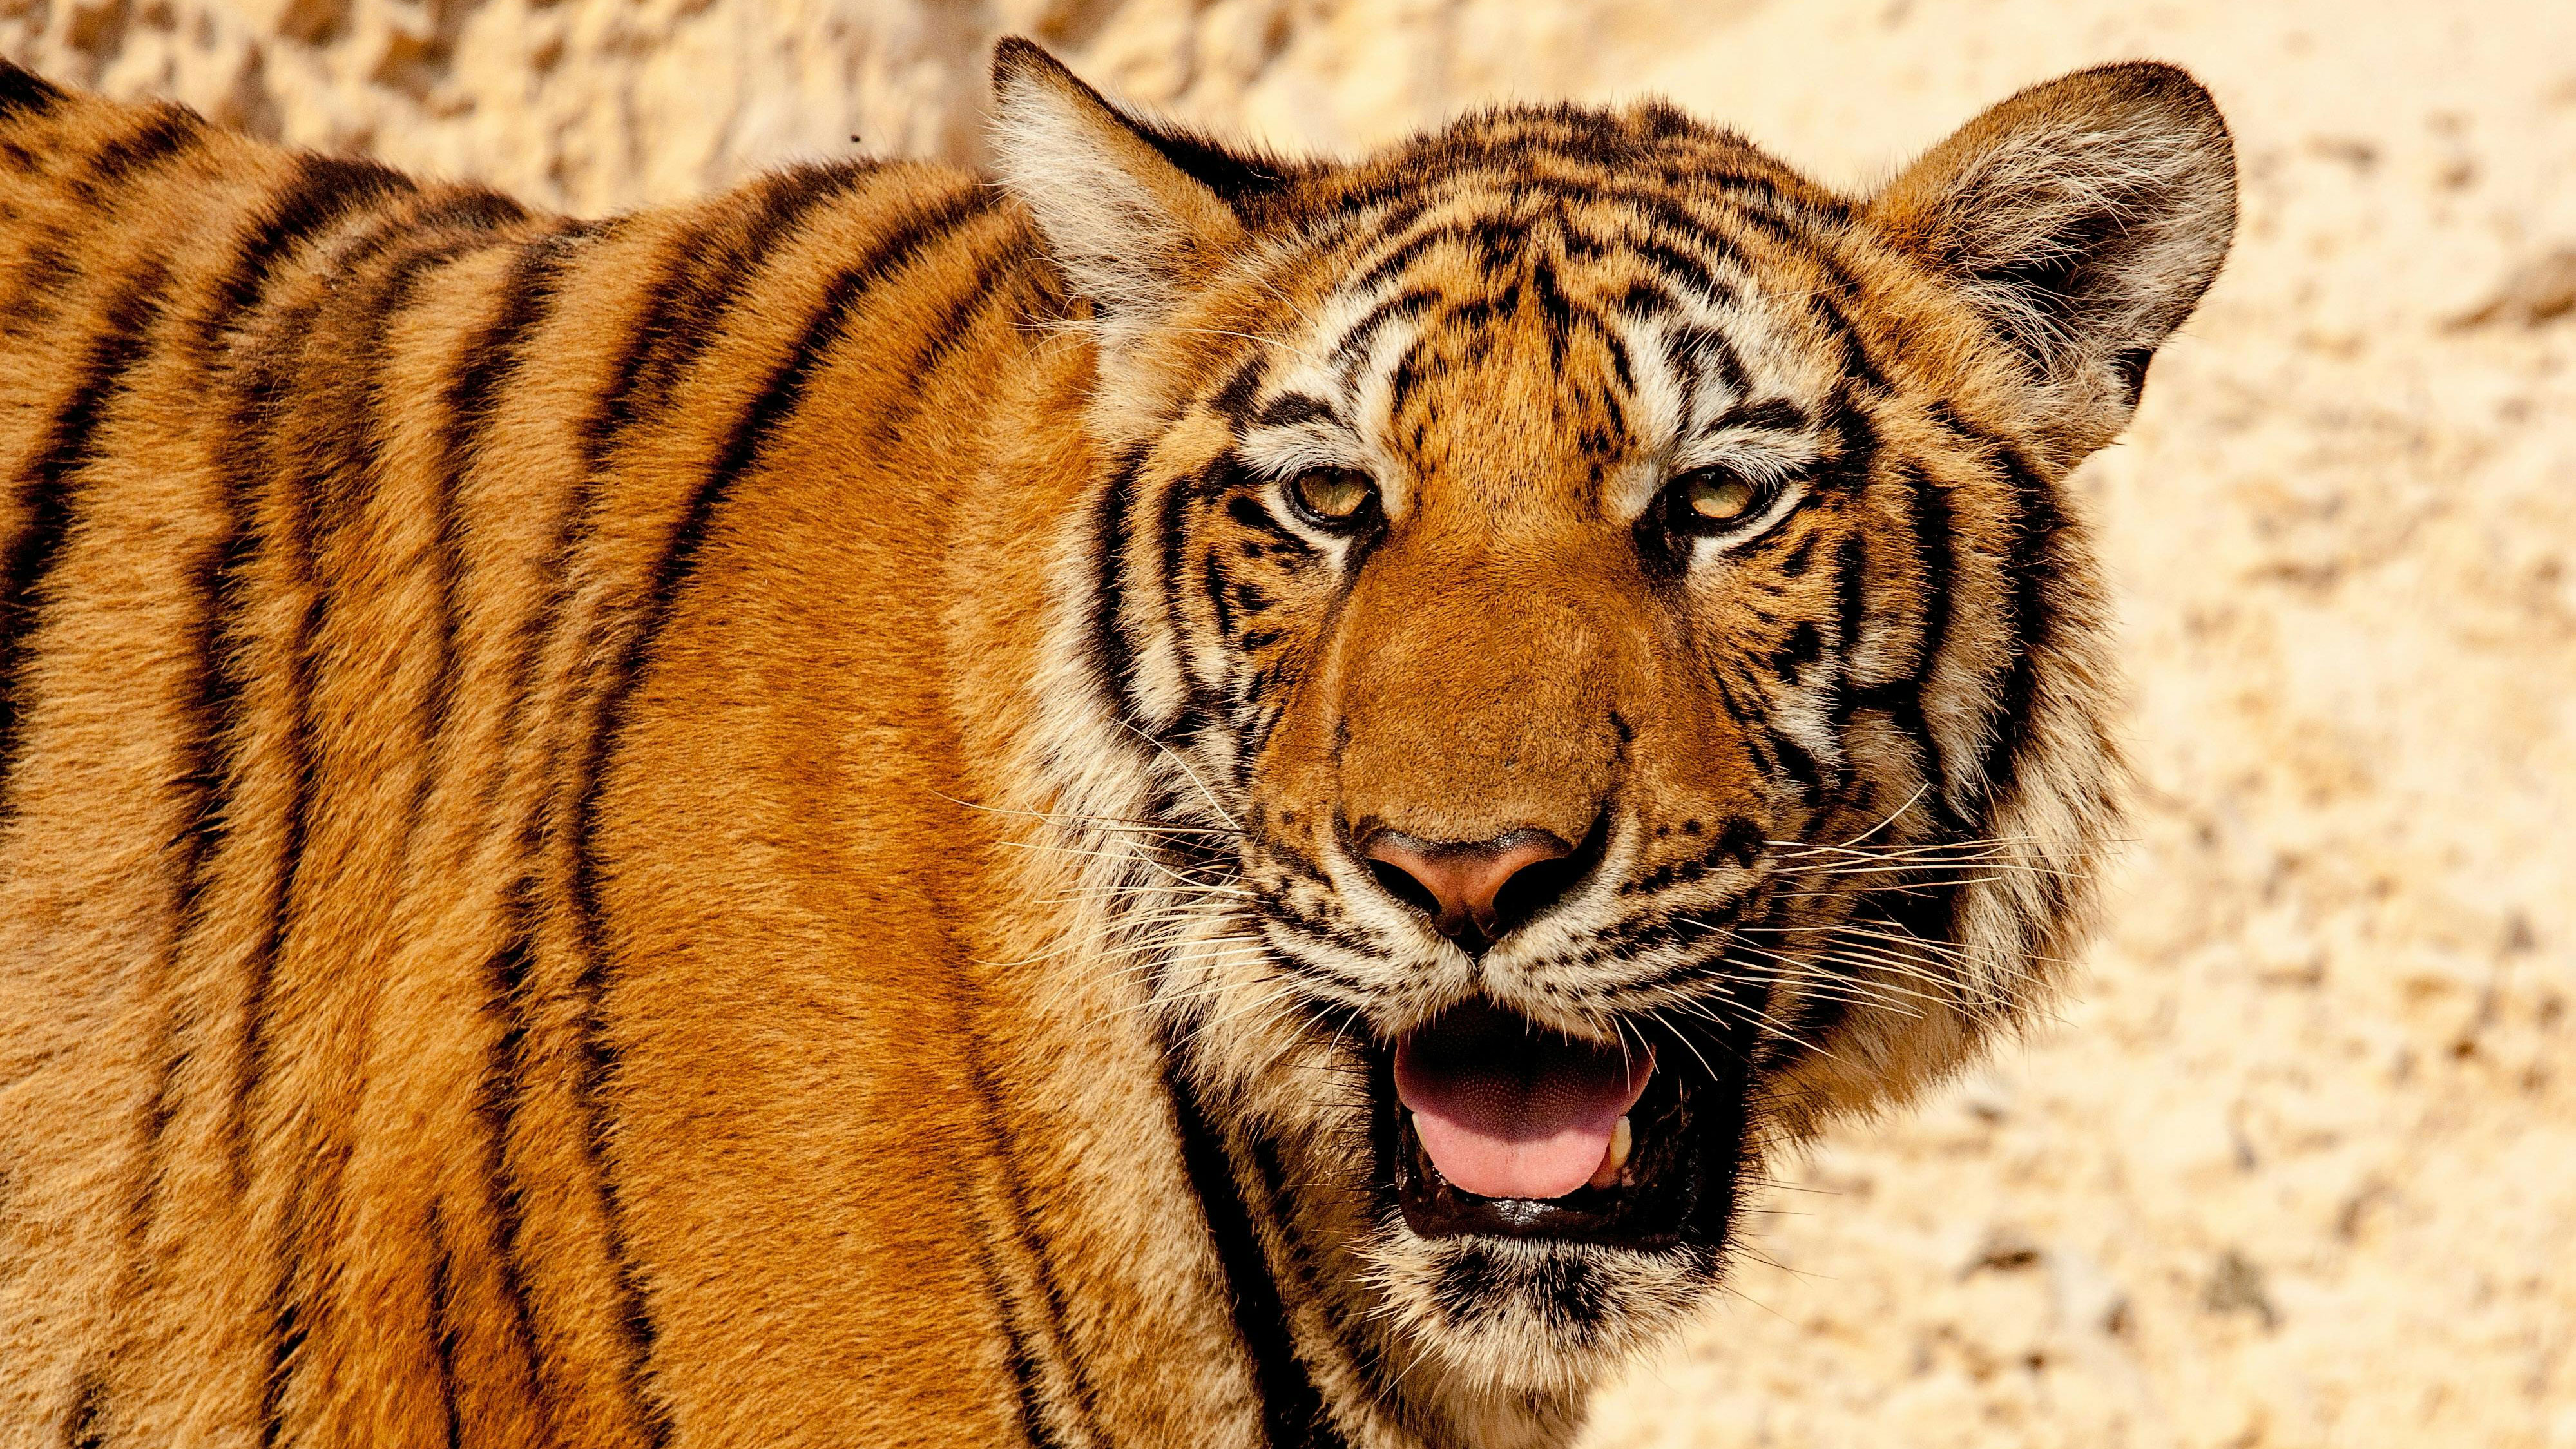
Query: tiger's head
(1583,667)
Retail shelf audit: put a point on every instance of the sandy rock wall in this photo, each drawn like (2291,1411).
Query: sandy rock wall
(584,104)
(594,105)
(2299,1166)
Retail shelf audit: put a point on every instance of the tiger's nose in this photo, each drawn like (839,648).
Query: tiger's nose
(1473,891)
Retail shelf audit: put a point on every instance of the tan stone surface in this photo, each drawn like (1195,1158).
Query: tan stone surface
(2299,1165)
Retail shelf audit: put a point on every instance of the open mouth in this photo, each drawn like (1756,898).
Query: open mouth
(1500,1126)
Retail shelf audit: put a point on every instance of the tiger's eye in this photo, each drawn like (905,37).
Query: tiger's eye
(1719,497)
(1333,495)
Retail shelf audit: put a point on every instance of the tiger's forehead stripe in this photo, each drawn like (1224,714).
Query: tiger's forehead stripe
(1665,308)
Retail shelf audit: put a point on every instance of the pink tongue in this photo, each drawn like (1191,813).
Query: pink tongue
(1504,1112)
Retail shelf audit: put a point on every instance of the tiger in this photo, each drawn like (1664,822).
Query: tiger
(1160,794)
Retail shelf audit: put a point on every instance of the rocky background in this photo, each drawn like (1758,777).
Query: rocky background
(2298,1166)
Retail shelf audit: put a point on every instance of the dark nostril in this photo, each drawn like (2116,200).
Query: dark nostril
(1474,891)
(1404,887)
(1533,888)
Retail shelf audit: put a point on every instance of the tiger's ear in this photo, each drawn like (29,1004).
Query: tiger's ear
(2083,218)
(1131,227)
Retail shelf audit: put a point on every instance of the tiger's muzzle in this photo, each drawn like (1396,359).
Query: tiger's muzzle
(1488,1122)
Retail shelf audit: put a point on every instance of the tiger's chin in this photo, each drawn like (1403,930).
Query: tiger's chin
(1548,1295)
(1533,1318)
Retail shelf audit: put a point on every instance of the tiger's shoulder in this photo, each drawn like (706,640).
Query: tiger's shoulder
(350,526)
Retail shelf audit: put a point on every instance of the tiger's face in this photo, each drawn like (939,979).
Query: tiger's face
(1582,668)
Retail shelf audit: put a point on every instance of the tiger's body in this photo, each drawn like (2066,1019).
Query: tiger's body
(721,827)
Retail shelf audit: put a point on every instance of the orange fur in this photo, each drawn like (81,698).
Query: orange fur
(731,826)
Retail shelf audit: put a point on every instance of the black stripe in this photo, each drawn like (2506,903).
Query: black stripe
(1244,507)
(1621,368)
(467,207)
(1799,765)
(70,447)
(1355,342)
(1851,606)
(1215,587)
(156,1128)
(1777,413)
(1831,311)
(318,500)
(497,1102)
(538,625)
(2030,567)
(1292,1409)
(707,269)
(1673,233)
(1795,565)
(1005,1157)
(776,401)
(488,366)
(82,1428)
(1690,348)
(1924,912)
(156,1125)
(485,363)
(350,401)
(1603,407)
(1555,309)
(288,1334)
(1932,525)
(321,195)
(957,322)
(258,387)
(2033,566)
(1807,204)
(1112,657)
(1171,540)
(1499,238)
(42,269)
(1848,477)
(1903,699)
(1400,188)
(1644,301)
(171,131)
(1290,409)
(1354,1340)
(1675,262)
(1017,1355)
(1858,363)
(1408,375)
(1395,259)
(24,93)
(1855,461)
(1233,401)
(324,190)
(442,1332)
(1805,644)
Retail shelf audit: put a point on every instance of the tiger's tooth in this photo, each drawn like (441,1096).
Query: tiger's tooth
(1622,1137)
